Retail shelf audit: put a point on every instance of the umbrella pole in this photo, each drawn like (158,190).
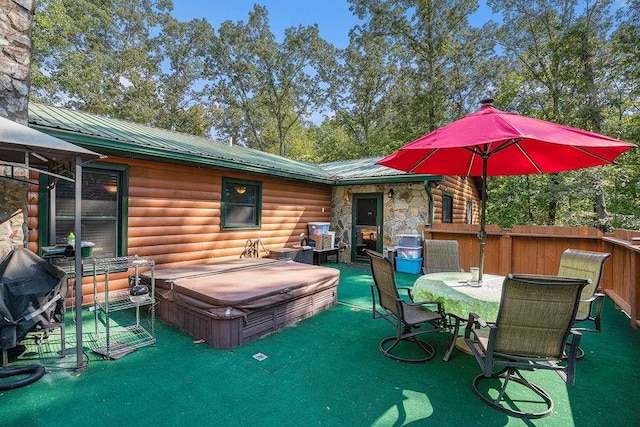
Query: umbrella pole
(482,235)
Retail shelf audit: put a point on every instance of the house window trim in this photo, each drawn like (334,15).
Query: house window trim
(46,220)
(223,203)
(469,212)
(445,197)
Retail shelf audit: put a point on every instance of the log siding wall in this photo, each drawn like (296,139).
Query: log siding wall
(174,215)
(461,190)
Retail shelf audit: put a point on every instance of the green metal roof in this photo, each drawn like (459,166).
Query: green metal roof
(119,137)
(112,136)
(363,171)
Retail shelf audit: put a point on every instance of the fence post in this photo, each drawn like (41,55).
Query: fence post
(506,253)
(635,295)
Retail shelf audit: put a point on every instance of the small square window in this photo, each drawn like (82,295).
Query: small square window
(447,208)
(469,212)
(241,204)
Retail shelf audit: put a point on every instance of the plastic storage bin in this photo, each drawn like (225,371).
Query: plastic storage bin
(409,252)
(316,228)
(322,241)
(333,239)
(412,240)
(407,265)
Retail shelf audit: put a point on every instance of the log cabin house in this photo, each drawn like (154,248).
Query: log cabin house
(182,200)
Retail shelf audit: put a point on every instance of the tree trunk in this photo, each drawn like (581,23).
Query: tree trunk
(603,222)
(594,118)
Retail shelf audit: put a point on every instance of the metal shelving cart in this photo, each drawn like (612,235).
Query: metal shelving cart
(121,340)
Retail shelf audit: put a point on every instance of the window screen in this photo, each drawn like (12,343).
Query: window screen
(241,204)
(447,209)
(100,210)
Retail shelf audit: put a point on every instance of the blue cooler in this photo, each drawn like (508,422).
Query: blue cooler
(409,265)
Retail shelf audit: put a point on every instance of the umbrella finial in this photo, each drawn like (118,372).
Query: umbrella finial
(487,102)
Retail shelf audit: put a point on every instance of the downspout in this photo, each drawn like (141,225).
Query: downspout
(427,187)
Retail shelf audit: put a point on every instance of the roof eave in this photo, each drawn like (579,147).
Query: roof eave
(387,179)
(105,146)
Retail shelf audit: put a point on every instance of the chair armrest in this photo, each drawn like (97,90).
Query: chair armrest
(437,304)
(475,318)
(596,303)
(407,290)
(593,297)
(598,310)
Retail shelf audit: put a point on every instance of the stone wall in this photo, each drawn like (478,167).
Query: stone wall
(15,58)
(407,212)
(11,233)
(16,17)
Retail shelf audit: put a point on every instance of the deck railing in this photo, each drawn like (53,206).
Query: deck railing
(537,250)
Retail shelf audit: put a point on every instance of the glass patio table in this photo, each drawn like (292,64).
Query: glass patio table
(459,298)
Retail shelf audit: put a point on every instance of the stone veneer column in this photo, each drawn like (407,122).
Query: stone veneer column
(405,213)
(16,17)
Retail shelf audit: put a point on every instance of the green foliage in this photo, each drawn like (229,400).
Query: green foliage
(442,65)
(265,85)
(110,58)
(411,66)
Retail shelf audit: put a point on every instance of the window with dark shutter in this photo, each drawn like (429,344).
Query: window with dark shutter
(102,210)
(447,208)
(241,204)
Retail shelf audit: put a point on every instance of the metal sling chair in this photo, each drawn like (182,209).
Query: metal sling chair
(532,329)
(410,318)
(586,265)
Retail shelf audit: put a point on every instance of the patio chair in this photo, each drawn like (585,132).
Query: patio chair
(411,319)
(441,256)
(533,325)
(586,265)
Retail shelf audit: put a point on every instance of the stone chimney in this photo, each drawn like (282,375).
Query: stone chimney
(15,58)
(16,17)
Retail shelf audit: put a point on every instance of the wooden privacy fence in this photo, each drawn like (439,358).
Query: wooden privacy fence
(537,250)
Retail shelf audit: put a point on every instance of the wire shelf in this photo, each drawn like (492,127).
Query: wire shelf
(123,341)
(120,300)
(119,341)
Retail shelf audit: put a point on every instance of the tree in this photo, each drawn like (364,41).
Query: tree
(624,118)
(254,79)
(108,58)
(96,56)
(361,101)
(444,65)
(183,105)
(557,48)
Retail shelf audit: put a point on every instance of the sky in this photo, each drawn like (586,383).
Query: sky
(332,16)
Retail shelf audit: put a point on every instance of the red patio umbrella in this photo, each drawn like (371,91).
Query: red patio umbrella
(491,142)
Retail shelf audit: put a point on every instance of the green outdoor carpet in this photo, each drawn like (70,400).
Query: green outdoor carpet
(326,370)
